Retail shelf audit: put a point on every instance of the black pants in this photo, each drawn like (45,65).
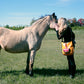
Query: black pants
(71,64)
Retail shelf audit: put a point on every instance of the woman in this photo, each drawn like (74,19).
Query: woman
(65,33)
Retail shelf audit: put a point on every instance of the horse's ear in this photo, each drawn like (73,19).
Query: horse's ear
(54,16)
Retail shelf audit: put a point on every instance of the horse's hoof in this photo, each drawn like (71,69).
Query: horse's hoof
(30,73)
(71,76)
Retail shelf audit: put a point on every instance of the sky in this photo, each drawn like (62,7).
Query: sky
(21,12)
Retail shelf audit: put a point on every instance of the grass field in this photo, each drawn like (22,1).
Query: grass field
(50,66)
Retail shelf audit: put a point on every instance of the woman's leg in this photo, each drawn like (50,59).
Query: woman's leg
(71,64)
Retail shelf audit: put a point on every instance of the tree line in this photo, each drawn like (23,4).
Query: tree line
(74,23)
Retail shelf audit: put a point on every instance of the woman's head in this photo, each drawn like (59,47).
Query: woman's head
(62,23)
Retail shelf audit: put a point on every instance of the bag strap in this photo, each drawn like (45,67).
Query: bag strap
(62,40)
(71,33)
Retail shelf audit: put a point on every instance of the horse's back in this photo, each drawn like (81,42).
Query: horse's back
(4,31)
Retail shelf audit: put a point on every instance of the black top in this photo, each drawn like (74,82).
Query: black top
(68,35)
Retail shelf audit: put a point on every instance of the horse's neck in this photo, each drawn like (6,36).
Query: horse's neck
(41,29)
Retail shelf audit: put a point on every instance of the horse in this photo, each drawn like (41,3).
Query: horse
(28,39)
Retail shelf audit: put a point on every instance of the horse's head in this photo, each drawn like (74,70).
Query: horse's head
(52,21)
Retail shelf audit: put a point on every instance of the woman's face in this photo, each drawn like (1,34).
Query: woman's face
(62,25)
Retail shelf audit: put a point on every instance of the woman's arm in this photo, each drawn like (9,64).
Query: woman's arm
(59,36)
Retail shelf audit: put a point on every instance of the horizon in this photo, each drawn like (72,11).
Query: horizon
(20,25)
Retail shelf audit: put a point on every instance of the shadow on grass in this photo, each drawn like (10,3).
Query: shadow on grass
(42,72)
(53,72)
(12,72)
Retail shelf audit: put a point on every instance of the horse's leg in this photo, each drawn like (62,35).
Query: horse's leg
(30,62)
(27,66)
(0,49)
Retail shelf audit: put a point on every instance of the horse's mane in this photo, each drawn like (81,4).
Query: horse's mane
(40,20)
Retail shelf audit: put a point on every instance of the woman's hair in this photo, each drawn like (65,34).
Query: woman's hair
(63,24)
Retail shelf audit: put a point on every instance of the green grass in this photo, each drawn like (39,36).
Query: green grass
(50,66)
(78,27)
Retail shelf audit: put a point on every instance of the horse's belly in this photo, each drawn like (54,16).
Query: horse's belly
(16,51)
(18,48)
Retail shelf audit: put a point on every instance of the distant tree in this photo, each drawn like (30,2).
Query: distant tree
(7,26)
(74,20)
(13,27)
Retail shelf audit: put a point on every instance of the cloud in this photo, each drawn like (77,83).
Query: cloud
(64,0)
(23,14)
(16,18)
(58,3)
